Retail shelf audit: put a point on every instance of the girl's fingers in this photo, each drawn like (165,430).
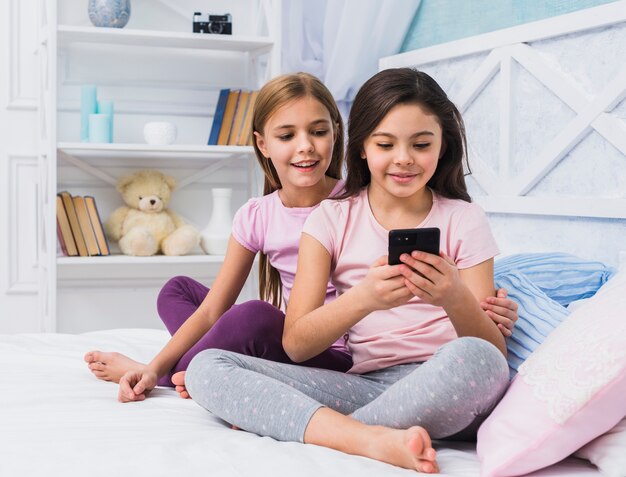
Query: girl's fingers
(448,259)
(499,310)
(419,268)
(417,291)
(394,283)
(499,319)
(125,387)
(502,293)
(504,330)
(383,270)
(401,294)
(502,302)
(434,261)
(419,279)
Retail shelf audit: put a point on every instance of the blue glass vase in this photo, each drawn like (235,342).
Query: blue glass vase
(109,13)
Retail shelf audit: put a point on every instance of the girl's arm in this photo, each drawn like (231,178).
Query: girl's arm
(459,292)
(224,292)
(310,326)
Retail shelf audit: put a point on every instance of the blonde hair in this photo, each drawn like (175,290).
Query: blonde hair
(275,94)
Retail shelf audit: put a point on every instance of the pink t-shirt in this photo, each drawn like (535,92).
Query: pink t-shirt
(355,240)
(264,224)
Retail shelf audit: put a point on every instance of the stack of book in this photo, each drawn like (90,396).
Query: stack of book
(232,121)
(79,228)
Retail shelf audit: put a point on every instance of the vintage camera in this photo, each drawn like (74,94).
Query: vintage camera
(216,24)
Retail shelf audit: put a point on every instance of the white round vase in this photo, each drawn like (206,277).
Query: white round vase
(214,237)
(159,133)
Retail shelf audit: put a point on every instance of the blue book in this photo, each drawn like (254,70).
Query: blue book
(218,116)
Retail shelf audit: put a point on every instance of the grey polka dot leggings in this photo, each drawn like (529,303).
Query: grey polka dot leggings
(449,395)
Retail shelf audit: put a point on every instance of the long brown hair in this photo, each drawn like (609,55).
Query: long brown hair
(373,102)
(275,94)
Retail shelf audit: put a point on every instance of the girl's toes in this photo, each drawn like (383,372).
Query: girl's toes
(179,378)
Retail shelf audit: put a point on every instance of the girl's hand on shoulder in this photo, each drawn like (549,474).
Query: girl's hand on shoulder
(383,287)
(435,279)
(502,310)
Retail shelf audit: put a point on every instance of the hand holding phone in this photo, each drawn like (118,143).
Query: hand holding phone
(409,240)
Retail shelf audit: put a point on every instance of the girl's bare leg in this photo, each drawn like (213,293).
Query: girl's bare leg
(409,448)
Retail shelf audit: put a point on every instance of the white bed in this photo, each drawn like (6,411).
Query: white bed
(56,419)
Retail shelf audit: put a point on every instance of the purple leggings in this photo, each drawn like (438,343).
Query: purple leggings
(254,328)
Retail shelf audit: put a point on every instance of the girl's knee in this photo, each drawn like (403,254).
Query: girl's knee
(257,319)
(174,286)
(204,360)
(204,371)
(481,356)
(205,366)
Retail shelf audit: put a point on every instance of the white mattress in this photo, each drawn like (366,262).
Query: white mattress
(56,419)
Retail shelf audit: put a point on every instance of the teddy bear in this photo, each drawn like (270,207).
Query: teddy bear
(145,226)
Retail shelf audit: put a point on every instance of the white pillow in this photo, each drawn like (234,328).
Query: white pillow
(608,452)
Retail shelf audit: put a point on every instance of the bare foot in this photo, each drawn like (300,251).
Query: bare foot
(410,448)
(111,366)
(178,380)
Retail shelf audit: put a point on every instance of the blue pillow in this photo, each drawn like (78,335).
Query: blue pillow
(561,276)
(538,314)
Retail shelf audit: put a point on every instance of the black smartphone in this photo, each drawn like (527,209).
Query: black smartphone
(408,240)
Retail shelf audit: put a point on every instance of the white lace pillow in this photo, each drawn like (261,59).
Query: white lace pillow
(569,391)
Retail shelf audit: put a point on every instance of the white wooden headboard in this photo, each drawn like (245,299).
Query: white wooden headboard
(545,111)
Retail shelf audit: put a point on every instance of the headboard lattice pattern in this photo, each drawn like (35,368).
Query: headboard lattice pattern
(545,111)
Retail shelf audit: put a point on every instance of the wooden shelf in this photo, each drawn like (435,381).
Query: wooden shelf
(73,35)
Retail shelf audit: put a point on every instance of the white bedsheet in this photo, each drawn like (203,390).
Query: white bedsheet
(56,419)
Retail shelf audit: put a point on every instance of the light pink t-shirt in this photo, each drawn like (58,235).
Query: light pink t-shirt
(264,224)
(355,240)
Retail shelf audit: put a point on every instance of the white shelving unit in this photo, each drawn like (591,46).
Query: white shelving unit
(106,162)
(70,35)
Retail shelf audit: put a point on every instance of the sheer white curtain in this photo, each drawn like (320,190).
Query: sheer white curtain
(340,41)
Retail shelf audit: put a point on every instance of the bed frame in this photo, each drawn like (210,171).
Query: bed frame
(546,121)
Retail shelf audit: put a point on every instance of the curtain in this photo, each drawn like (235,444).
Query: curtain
(340,41)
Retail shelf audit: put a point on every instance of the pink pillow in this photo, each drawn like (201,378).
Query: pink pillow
(569,391)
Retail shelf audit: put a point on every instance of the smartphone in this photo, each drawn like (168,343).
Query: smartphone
(408,240)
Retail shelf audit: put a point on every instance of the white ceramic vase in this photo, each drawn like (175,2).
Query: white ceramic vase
(214,237)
